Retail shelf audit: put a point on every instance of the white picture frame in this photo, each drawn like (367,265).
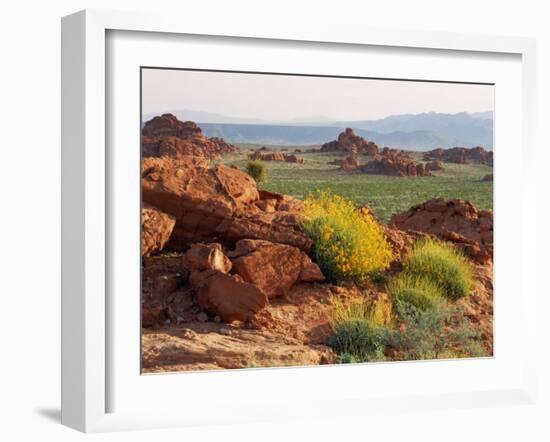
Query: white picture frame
(86,210)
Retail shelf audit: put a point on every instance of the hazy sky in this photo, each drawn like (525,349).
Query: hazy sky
(284,97)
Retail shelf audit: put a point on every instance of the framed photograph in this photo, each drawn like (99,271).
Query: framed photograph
(270,222)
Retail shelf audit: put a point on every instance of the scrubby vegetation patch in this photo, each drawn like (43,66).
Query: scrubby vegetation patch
(257,170)
(441,264)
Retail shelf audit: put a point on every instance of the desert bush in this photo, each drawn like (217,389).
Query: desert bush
(443,265)
(257,170)
(348,243)
(359,329)
(443,332)
(420,292)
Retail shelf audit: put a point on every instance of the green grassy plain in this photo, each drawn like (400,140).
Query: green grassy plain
(386,195)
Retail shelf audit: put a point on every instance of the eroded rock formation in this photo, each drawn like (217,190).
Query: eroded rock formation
(452,220)
(276,156)
(165,135)
(345,142)
(156,228)
(434,165)
(395,162)
(461,155)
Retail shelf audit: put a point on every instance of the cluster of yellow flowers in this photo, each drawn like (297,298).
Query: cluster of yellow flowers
(348,242)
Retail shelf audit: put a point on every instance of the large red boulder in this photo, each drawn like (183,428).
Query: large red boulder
(198,197)
(452,220)
(156,228)
(277,227)
(228,296)
(273,268)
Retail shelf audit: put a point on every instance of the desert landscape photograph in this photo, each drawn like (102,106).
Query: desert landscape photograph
(305,220)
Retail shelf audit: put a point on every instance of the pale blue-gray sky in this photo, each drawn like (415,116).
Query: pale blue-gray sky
(284,98)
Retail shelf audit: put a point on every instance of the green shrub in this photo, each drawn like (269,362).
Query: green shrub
(359,339)
(431,334)
(360,333)
(442,264)
(346,358)
(257,170)
(348,243)
(417,291)
(358,328)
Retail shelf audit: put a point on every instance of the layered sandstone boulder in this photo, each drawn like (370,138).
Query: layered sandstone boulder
(165,135)
(198,197)
(156,228)
(279,226)
(273,268)
(453,220)
(345,142)
(229,296)
(461,155)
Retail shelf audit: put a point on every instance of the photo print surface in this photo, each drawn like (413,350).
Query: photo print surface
(302,220)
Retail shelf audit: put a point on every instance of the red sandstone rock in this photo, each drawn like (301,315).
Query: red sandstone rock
(395,162)
(351,162)
(165,135)
(461,155)
(273,268)
(152,313)
(206,257)
(274,227)
(227,295)
(346,140)
(275,156)
(452,220)
(434,165)
(156,228)
(310,271)
(199,198)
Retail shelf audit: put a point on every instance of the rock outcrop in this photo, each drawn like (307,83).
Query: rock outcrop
(156,228)
(453,220)
(208,211)
(273,268)
(165,135)
(198,197)
(218,204)
(351,162)
(346,140)
(434,165)
(276,156)
(461,155)
(395,162)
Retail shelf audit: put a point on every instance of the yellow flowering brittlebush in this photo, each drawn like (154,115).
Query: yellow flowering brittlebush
(348,242)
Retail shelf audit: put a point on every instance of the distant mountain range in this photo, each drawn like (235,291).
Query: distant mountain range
(407,131)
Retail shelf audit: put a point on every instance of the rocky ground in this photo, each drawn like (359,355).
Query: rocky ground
(227,280)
